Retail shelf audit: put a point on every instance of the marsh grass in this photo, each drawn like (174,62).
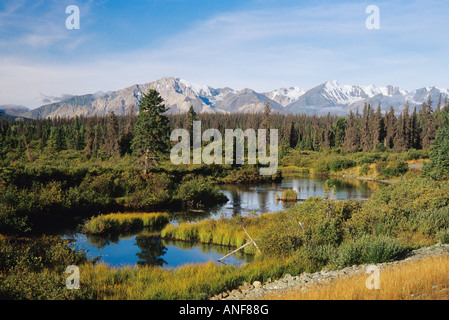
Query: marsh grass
(227,232)
(124,222)
(427,279)
(289,195)
(194,281)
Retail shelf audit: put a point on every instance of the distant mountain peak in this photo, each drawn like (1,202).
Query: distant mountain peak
(179,94)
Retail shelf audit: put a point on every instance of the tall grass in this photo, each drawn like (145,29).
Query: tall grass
(424,279)
(289,195)
(228,232)
(187,282)
(124,222)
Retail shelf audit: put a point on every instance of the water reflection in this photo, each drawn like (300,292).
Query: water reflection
(150,249)
(260,198)
(147,248)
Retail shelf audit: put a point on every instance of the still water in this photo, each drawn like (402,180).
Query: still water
(149,248)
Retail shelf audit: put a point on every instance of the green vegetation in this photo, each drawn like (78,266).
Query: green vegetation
(33,269)
(227,232)
(55,171)
(289,195)
(438,166)
(152,130)
(38,193)
(187,282)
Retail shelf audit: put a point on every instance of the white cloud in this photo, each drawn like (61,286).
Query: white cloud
(263,50)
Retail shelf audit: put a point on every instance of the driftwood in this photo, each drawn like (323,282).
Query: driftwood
(246,244)
(235,251)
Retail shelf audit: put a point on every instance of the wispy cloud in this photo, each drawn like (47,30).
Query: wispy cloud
(259,48)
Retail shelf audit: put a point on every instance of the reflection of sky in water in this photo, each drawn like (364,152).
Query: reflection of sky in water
(126,251)
(262,198)
(243,199)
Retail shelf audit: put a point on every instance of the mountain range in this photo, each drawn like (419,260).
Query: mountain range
(179,95)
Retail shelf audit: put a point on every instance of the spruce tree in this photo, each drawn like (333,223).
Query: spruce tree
(152,131)
(112,147)
(352,136)
(438,166)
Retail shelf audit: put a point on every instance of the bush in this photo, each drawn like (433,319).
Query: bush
(340,163)
(368,249)
(289,195)
(381,166)
(281,236)
(414,154)
(33,269)
(430,221)
(438,166)
(380,147)
(395,169)
(320,167)
(364,170)
(197,191)
(443,236)
(368,158)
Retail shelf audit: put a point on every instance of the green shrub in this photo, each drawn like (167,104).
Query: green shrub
(380,147)
(368,158)
(395,169)
(328,232)
(320,167)
(443,235)
(430,221)
(438,166)
(364,170)
(368,249)
(281,236)
(289,195)
(381,166)
(197,191)
(414,154)
(340,163)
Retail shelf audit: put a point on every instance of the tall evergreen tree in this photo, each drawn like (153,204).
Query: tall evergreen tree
(378,127)
(390,128)
(90,136)
(111,143)
(352,136)
(366,133)
(428,129)
(152,130)
(191,116)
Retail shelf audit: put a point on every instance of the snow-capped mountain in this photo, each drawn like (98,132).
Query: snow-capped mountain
(285,96)
(339,99)
(179,95)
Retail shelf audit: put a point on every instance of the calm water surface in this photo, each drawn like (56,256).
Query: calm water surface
(149,248)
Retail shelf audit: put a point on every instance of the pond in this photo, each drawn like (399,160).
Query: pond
(148,248)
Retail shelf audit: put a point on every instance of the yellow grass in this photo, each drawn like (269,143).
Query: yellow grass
(426,279)
(119,222)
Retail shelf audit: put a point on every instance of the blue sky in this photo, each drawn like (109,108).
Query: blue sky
(259,44)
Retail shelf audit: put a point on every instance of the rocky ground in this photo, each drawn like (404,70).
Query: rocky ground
(258,290)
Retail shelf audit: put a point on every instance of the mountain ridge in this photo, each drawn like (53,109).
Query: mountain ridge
(179,95)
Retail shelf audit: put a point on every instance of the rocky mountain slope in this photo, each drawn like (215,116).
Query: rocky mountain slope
(179,95)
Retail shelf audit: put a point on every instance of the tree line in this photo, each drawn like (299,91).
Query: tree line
(113,135)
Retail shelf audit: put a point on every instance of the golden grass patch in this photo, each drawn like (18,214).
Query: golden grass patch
(426,279)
